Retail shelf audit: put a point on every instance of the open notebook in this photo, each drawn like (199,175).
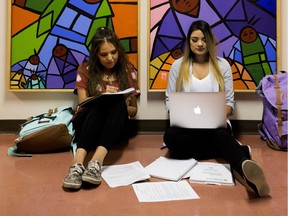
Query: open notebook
(197,109)
(125,93)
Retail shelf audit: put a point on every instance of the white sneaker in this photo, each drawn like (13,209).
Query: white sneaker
(93,173)
(74,178)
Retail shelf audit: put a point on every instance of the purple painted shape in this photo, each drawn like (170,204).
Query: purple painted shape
(169,26)
(158,49)
(70,76)
(54,82)
(255,17)
(53,67)
(71,59)
(70,85)
(223,6)
(171,43)
(60,65)
(79,57)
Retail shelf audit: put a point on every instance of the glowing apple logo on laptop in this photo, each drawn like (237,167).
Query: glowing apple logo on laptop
(197,110)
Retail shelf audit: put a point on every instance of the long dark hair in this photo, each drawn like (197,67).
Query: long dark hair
(96,69)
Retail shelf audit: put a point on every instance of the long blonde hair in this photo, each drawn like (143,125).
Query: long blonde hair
(188,56)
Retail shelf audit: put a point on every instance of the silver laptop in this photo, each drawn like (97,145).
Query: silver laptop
(198,109)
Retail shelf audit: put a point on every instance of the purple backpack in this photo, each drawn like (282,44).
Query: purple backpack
(273,128)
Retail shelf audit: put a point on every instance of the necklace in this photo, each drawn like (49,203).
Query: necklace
(109,78)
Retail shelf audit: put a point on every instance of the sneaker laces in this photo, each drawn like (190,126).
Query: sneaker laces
(94,167)
(76,169)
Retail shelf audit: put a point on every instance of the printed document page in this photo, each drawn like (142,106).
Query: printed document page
(124,174)
(211,173)
(164,191)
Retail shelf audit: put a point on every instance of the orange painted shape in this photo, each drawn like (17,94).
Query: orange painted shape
(170,60)
(166,67)
(236,76)
(161,80)
(239,85)
(125,20)
(251,85)
(246,76)
(21,19)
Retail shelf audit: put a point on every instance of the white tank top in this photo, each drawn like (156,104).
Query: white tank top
(203,85)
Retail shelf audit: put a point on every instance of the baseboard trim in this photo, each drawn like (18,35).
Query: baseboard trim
(146,126)
(159,126)
(10,126)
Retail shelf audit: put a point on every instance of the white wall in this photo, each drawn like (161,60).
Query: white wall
(21,105)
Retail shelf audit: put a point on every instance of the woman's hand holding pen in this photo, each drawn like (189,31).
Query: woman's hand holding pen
(128,101)
(111,89)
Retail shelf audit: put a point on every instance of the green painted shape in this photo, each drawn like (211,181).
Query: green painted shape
(126,44)
(24,44)
(31,38)
(104,10)
(45,24)
(34,5)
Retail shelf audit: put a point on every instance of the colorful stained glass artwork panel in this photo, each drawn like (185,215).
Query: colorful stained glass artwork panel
(231,21)
(54,38)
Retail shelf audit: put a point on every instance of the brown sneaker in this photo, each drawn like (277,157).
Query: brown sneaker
(74,178)
(93,173)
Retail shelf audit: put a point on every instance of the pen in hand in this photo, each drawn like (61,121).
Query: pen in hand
(163,146)
(110,88)
(109,80)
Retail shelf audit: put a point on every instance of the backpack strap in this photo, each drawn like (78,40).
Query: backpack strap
(278,103)
(12,151)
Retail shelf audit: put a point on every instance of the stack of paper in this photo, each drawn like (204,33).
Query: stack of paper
(211,173)
(170,169)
